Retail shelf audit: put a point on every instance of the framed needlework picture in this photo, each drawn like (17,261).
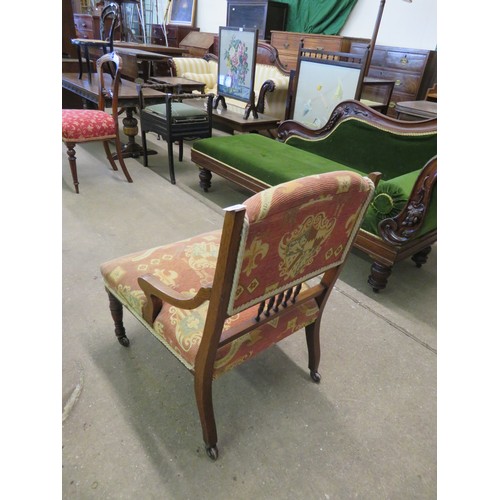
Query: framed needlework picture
(182,12)
(237,57)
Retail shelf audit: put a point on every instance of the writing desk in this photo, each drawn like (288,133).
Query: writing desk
(128,98)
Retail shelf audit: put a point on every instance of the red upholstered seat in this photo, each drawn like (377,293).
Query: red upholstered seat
(85,125)
(82,125)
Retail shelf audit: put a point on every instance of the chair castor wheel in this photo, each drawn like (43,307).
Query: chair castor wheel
(315,376)
(212,452)
(124,341)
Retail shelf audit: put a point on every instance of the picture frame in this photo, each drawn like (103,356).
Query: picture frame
(236,68)
(182,12)
(322,83)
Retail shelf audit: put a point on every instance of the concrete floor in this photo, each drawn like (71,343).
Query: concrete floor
(130,425)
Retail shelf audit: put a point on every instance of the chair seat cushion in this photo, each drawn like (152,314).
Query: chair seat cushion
(81,125)
(186,266)
(180,112)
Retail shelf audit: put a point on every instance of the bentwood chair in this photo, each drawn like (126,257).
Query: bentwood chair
(87,125)
(218,299)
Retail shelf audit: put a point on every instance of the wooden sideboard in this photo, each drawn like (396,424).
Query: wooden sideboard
(287,44)
(413,70)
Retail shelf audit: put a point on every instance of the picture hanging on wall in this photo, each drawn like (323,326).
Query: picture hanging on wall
(182,12)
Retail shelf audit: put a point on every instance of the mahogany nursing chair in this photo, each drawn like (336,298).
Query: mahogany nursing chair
(87,125)
(218,299)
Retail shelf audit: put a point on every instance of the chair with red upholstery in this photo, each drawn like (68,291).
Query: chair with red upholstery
(218,299)
(87,125)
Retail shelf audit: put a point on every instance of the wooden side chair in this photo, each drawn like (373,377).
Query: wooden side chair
(87,125)
(220,298)
(108,22)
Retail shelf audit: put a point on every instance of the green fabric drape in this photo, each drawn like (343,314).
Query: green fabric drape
(318,16)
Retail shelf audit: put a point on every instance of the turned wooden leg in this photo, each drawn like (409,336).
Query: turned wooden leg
(420,258)
(203,392)
(72,164)
(379,276)
(116,308)
(205,177)
(313,348)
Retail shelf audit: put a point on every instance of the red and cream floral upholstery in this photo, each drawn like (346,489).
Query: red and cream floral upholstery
(82,125)
(283,237)
(186,266)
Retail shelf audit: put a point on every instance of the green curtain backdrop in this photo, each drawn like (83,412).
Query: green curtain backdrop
(318,16)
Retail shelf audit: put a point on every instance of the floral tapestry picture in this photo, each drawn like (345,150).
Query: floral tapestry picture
(237,63)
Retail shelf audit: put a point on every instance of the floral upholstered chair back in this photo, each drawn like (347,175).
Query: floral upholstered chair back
(296,231)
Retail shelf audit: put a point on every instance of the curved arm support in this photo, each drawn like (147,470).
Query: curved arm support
(157,292)
(267,86)
(401,228)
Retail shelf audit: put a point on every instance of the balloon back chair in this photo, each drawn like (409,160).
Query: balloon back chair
(218,299)
(108,22)
(87,125)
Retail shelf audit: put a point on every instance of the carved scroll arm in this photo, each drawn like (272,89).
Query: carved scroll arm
(403,227)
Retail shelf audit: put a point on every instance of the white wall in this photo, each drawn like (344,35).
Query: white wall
(403,24)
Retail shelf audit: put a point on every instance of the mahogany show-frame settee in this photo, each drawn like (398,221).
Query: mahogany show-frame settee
(401,221)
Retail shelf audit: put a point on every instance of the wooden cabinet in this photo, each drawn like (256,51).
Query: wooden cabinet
(262,15)
(177,33)
(413,70)
(87,26)
(287,44)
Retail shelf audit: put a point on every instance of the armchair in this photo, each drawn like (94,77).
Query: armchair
(218,299)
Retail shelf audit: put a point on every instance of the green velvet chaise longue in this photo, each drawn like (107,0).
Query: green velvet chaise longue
(402,219)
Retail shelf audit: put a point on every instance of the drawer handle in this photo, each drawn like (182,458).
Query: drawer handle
(404,60)
(286,45)
(392,104)
(320,48)
(398,83)
(84,25)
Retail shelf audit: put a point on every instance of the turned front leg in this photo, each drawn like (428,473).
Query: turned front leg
(116,308)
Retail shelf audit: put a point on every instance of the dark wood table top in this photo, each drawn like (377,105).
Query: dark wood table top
(128,95)
(150,47)
(420,109)
(176,82)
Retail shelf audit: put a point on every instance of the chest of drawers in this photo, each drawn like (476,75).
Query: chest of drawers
(87,26)
(287,44)
(413,70)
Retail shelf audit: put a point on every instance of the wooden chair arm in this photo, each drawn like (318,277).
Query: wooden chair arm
(400,229)
(157,292)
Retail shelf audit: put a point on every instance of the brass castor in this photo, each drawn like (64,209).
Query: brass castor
(212,452)
(315,376)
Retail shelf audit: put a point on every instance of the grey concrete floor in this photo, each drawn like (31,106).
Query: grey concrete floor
(130,427)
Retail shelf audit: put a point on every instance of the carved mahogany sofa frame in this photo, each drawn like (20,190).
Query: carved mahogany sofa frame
(402,219)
